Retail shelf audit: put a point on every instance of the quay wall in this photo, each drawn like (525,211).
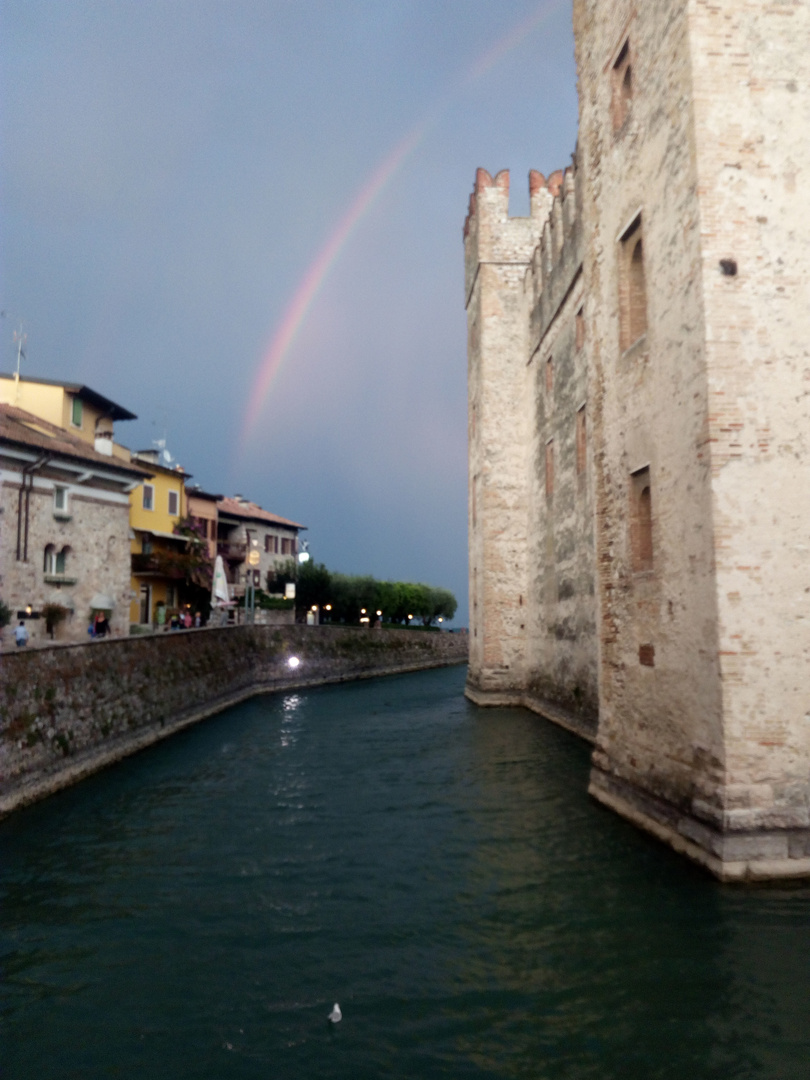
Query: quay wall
(69,710)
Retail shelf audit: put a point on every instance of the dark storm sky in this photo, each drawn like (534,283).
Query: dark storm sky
(171,172)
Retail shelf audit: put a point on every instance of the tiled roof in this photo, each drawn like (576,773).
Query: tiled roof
(249,511)
(25,429)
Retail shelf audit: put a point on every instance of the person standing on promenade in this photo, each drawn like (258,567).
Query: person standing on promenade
(21,635)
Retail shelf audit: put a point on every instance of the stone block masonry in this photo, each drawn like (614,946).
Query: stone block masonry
(69,710)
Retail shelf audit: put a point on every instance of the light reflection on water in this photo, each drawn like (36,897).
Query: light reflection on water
(435,868)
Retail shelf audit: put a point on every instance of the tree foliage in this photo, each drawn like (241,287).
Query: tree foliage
(348,595)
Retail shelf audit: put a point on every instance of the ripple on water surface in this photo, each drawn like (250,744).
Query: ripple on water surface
(436,868)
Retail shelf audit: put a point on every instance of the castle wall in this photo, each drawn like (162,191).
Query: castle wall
(660,729)
(561,668)
(531,515)
(751,73)
(640,429)
(697,398)
(497,253)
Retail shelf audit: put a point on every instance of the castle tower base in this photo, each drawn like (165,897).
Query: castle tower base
(754,855)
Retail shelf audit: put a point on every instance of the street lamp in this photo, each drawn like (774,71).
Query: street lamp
(253,560)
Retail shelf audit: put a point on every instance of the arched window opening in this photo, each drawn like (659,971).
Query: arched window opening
(641,521)
(50,560)
(632,287)
(638,293)
(645,552)
(61,560)
(621,87)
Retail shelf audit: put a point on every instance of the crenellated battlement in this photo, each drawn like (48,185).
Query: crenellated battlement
(546,242)
(557,258)
(490,234)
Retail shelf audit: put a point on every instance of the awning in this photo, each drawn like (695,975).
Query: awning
(164,535)
(102,602)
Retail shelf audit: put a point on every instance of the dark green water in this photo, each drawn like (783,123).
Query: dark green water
(436,868)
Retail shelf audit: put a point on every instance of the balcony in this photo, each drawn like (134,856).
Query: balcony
(158,564)
(232,552)
(60,579)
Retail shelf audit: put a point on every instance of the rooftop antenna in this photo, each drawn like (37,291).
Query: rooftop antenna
(160,445)
(19,337)
(163,453)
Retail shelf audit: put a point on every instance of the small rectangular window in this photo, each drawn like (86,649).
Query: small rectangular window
(148,497)
(78,412)
(646,655)
(268,542)
(174,503)
(60,500)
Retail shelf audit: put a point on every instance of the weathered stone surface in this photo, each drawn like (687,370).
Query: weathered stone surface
(68,710)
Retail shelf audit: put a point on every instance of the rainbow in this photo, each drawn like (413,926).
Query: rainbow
(299,305)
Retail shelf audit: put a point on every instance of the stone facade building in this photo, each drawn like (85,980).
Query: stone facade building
(64,528)
(639,384)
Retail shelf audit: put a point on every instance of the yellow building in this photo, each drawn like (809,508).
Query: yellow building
(159,569)
(162,562)
(71,406)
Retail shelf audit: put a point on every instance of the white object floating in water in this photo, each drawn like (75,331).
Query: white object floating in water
(335,1015)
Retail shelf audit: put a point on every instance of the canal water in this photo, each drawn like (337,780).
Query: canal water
(437,869)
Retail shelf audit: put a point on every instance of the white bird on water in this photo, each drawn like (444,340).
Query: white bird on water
(335,1015)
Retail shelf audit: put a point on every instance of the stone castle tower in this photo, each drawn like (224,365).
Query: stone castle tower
(639,385)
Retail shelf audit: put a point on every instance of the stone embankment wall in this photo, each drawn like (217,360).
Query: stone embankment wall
(70,710)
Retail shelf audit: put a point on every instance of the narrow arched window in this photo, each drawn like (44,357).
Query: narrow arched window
(49,565)
(621,87)
(638,293)
(645,550)
(641,521)
(61,560)
(632,287)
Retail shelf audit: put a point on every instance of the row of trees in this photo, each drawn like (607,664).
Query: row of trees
(346,596)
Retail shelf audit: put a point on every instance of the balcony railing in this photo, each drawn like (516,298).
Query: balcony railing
(60,579)
(232,552)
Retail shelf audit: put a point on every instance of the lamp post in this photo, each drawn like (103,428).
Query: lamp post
(253,560)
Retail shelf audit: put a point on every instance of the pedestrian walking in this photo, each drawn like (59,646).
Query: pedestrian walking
(21,635)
